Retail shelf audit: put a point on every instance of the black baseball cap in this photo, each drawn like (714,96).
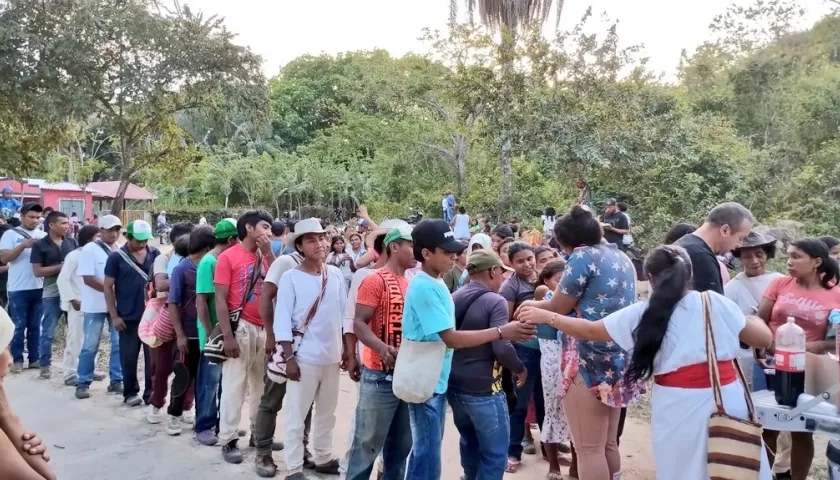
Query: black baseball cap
(31,207)
(436,234)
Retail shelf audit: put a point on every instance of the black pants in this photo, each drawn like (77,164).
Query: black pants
(129,355)
(184,378)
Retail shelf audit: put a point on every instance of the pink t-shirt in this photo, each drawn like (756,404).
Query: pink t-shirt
(234,269)
(809,307)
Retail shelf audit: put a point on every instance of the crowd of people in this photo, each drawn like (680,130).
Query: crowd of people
(549,332)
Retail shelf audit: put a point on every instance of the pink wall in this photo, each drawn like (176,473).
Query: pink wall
(51,198)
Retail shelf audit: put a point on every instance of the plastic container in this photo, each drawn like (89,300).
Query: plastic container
(790,363)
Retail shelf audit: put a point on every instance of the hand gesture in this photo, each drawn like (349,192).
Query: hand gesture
(270,342)
(522,306)
(388,354)
(264,244)
(518,331)
(231,347)
(520,378)
(351,364)
(33,446)
(183,345)
(27,243)
(292,370)
(362,210)
(534,316)
(119,324)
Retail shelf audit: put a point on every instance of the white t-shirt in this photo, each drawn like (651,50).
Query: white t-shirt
(297,292)
(548,223)
(281,266)
(21,275)
(746,292)
(628,238)
(92,264)
(462,226)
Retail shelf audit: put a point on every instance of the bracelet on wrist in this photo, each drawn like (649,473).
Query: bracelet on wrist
(498,329)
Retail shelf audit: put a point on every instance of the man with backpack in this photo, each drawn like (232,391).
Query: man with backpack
(126,283)
(25,289)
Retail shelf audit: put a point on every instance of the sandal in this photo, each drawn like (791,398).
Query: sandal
(554,476)
(513,465)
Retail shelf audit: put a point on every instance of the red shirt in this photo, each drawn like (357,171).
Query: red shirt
(810,308)
(384,291)
(234,269)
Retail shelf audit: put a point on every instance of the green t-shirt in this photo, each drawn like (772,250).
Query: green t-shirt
(204,284)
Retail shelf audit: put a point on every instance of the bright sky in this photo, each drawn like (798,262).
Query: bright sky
(281,30)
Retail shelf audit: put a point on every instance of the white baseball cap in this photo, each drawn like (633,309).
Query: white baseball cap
(108,222)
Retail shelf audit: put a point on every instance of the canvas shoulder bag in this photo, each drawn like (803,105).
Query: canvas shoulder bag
(214,349)
(276,368)
(735,446)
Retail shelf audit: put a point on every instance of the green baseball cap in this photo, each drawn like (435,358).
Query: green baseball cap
(402,232)
(139,230)
(484,260)
(226,228)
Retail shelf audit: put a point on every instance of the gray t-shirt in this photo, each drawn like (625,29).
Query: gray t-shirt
(517,290)
(478,370)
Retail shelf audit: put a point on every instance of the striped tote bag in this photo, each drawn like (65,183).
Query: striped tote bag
(734,448)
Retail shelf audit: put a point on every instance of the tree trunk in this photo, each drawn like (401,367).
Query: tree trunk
(507,169)
(461,163)
(117,203)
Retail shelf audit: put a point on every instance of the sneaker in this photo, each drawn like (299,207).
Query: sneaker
(133,401)
(296,476)
(207,438)
(275,445)
(153,416)
(528,447)
(71,381)
(265,466)
(17,368)
(173,426)
(232,454)
(188,417)
(308,463)
(82,393)
(98,377)
(564,448)
(330,468)
(34,365)
(46,373)
(116,387)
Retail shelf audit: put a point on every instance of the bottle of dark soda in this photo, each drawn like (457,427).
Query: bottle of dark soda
(790,363)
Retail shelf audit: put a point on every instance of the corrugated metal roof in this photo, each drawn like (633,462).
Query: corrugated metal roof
(109,190)
(63,186)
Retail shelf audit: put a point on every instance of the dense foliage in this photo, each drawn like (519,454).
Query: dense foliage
(754,117)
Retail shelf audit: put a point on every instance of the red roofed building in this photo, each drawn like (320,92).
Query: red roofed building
(63,196)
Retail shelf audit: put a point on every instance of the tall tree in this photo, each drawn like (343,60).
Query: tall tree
(137,64)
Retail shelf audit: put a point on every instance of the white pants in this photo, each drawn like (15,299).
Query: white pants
(241,375)
(318,384)
(75,335)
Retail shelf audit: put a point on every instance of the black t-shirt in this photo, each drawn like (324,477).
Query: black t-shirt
(617,220)
(705,267)
(46,252)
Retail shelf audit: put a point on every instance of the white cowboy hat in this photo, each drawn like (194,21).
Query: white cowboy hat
(393,223)
(7,330)
(310,225)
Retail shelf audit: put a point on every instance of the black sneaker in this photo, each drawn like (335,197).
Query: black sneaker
(116,387)
(34,365)
(308,463)
(784,476)
(82,393)
(265,466)
(231,452)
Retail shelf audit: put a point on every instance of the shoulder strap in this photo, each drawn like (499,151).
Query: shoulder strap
(133,264)
(252,283)
(460,316)
(104,247)
(314,308)
(23,233)
(711,359)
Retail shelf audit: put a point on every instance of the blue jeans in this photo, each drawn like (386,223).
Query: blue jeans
(533,388)
(761,381)
(93,334)
(52,312)
(25,310)
(382,425)
(482,421)
(427,422)
(206,392)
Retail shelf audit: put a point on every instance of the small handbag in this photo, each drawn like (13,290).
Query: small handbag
(276,368)
(735,446)
(214,349)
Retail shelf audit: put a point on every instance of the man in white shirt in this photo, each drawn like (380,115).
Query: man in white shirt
(307,326)
(91,268)
(70,289)
(25,289)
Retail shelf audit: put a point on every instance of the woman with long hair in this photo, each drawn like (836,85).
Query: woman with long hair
(667,342)
(519,288)
(808,293)
(597,281)
(339,258)
(357,247)
(555,430)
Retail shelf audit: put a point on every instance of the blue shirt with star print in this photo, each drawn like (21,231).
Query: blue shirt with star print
(602,279)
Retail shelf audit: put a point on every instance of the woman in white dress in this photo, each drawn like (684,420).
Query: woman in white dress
(666,338)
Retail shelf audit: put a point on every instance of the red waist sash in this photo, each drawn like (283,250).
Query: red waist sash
(697,376)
